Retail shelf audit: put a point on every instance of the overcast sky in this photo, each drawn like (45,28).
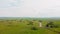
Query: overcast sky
(29,8)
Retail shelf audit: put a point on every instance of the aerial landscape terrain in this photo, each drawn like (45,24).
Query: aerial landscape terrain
(13,25)
(29,16)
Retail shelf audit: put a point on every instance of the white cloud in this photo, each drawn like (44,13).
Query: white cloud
(33,8)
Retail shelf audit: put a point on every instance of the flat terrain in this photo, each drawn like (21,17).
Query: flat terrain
(20,26)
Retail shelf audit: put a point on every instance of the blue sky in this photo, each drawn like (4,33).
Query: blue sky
(29,8)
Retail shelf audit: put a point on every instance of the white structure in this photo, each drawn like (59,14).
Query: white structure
(40,24)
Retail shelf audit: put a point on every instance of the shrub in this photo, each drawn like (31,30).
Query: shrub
(34,28)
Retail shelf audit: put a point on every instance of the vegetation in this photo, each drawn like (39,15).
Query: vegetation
(19,26)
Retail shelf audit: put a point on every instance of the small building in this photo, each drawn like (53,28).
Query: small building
(40,23)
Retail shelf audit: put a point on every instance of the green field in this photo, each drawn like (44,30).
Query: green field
(19,26)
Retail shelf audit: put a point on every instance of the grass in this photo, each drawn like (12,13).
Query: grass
(21,27)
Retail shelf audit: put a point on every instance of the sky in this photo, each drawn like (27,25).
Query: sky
(29,8)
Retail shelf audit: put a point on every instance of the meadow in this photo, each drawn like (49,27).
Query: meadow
(20,26)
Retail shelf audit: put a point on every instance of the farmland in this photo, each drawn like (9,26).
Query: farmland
(19,26)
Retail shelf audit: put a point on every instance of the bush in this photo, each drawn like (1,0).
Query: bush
(56,26)
(34,28)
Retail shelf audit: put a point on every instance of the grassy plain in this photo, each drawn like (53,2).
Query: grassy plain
(19,26)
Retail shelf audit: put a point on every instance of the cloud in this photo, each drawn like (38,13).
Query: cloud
(31,8)
(9,3)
